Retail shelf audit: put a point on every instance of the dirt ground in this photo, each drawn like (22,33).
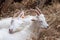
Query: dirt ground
(52,14)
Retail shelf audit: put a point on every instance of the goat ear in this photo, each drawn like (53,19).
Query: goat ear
(22,16)
(38,10)
(37,13)
(12,21)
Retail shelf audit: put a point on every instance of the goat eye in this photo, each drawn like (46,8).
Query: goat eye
(40,21)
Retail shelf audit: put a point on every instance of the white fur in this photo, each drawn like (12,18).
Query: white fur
(25,34)
(5,23)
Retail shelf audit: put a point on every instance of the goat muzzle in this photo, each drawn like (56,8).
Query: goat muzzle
(10,31)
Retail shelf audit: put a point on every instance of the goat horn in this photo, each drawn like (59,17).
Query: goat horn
(21,14)
(38,10)
(16,14)
(32,10)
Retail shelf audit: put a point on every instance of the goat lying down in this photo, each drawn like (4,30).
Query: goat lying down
(28,33)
